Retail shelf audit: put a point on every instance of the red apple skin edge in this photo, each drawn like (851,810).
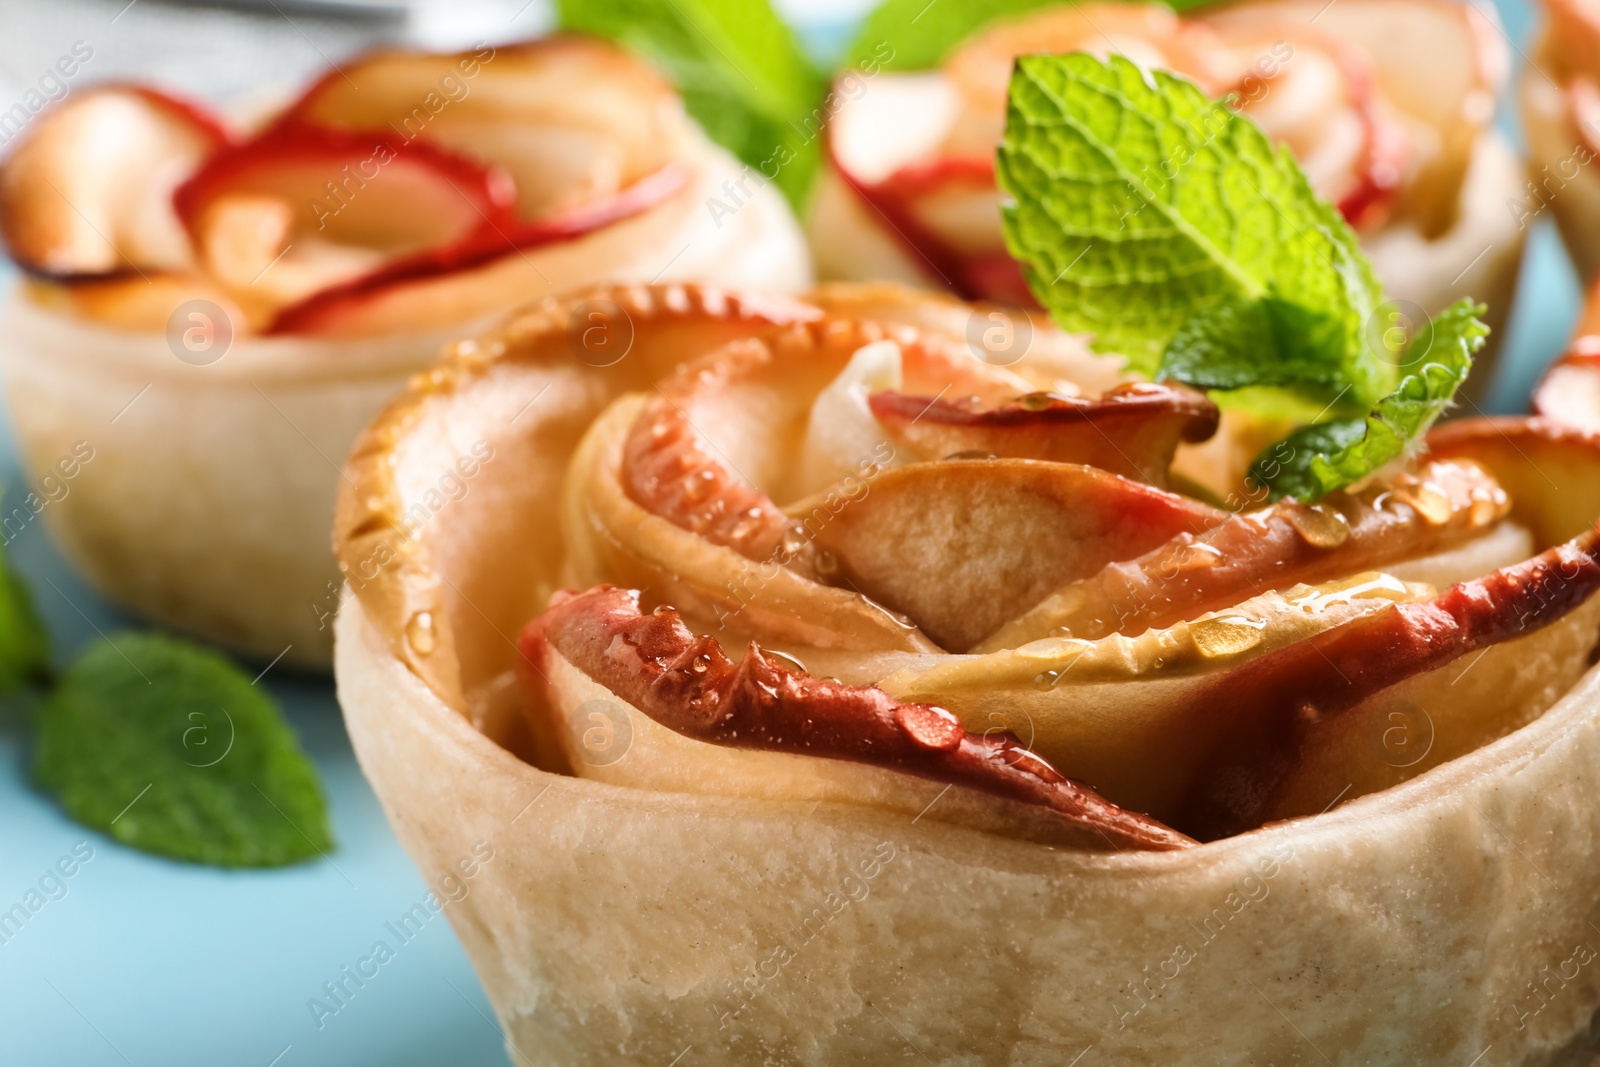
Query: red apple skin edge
(688,685)
(487,188)
(192,112)
(1271,701)
(320,309)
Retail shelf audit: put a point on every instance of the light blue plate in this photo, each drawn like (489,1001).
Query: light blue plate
(148,962)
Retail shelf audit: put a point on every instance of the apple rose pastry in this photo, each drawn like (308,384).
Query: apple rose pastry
(1561,113)
(832,693)
(1387,104)
(863,675)
(214,316)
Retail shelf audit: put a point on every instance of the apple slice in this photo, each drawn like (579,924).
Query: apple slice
(1406,516)
(573,120)
(960,546)
(1306,714)
(89,189)
(1552,471)
(1132,430)
(1316,94)
(687,684)
(301,209)
(487,271)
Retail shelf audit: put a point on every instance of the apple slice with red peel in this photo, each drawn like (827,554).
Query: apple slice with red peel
(1124,714)
(687,684)
(960,546)
(1304,715)
(486,272)
(573,120)
(88,191)
(301,209)
(1317,95)
(1406,516)
(1569,391)
(1132,430)
(1214,725)
(670,470)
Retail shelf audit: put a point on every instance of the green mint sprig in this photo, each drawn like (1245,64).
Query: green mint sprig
(1315,460)
(169,748)
(162,745)
(1170,229)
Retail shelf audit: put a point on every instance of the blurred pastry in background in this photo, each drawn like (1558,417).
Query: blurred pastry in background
(217,312)
(1388,106)
(1561,118)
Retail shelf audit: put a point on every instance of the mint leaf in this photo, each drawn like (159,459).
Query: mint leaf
(24,643)
(169,748)
(739,69)
(922,34)
(1171,229)
(1315,460)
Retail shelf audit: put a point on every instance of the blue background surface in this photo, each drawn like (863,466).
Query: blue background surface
(146,961)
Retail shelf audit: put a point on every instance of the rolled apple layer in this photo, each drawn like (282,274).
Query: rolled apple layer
(683,897)
(209,499)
